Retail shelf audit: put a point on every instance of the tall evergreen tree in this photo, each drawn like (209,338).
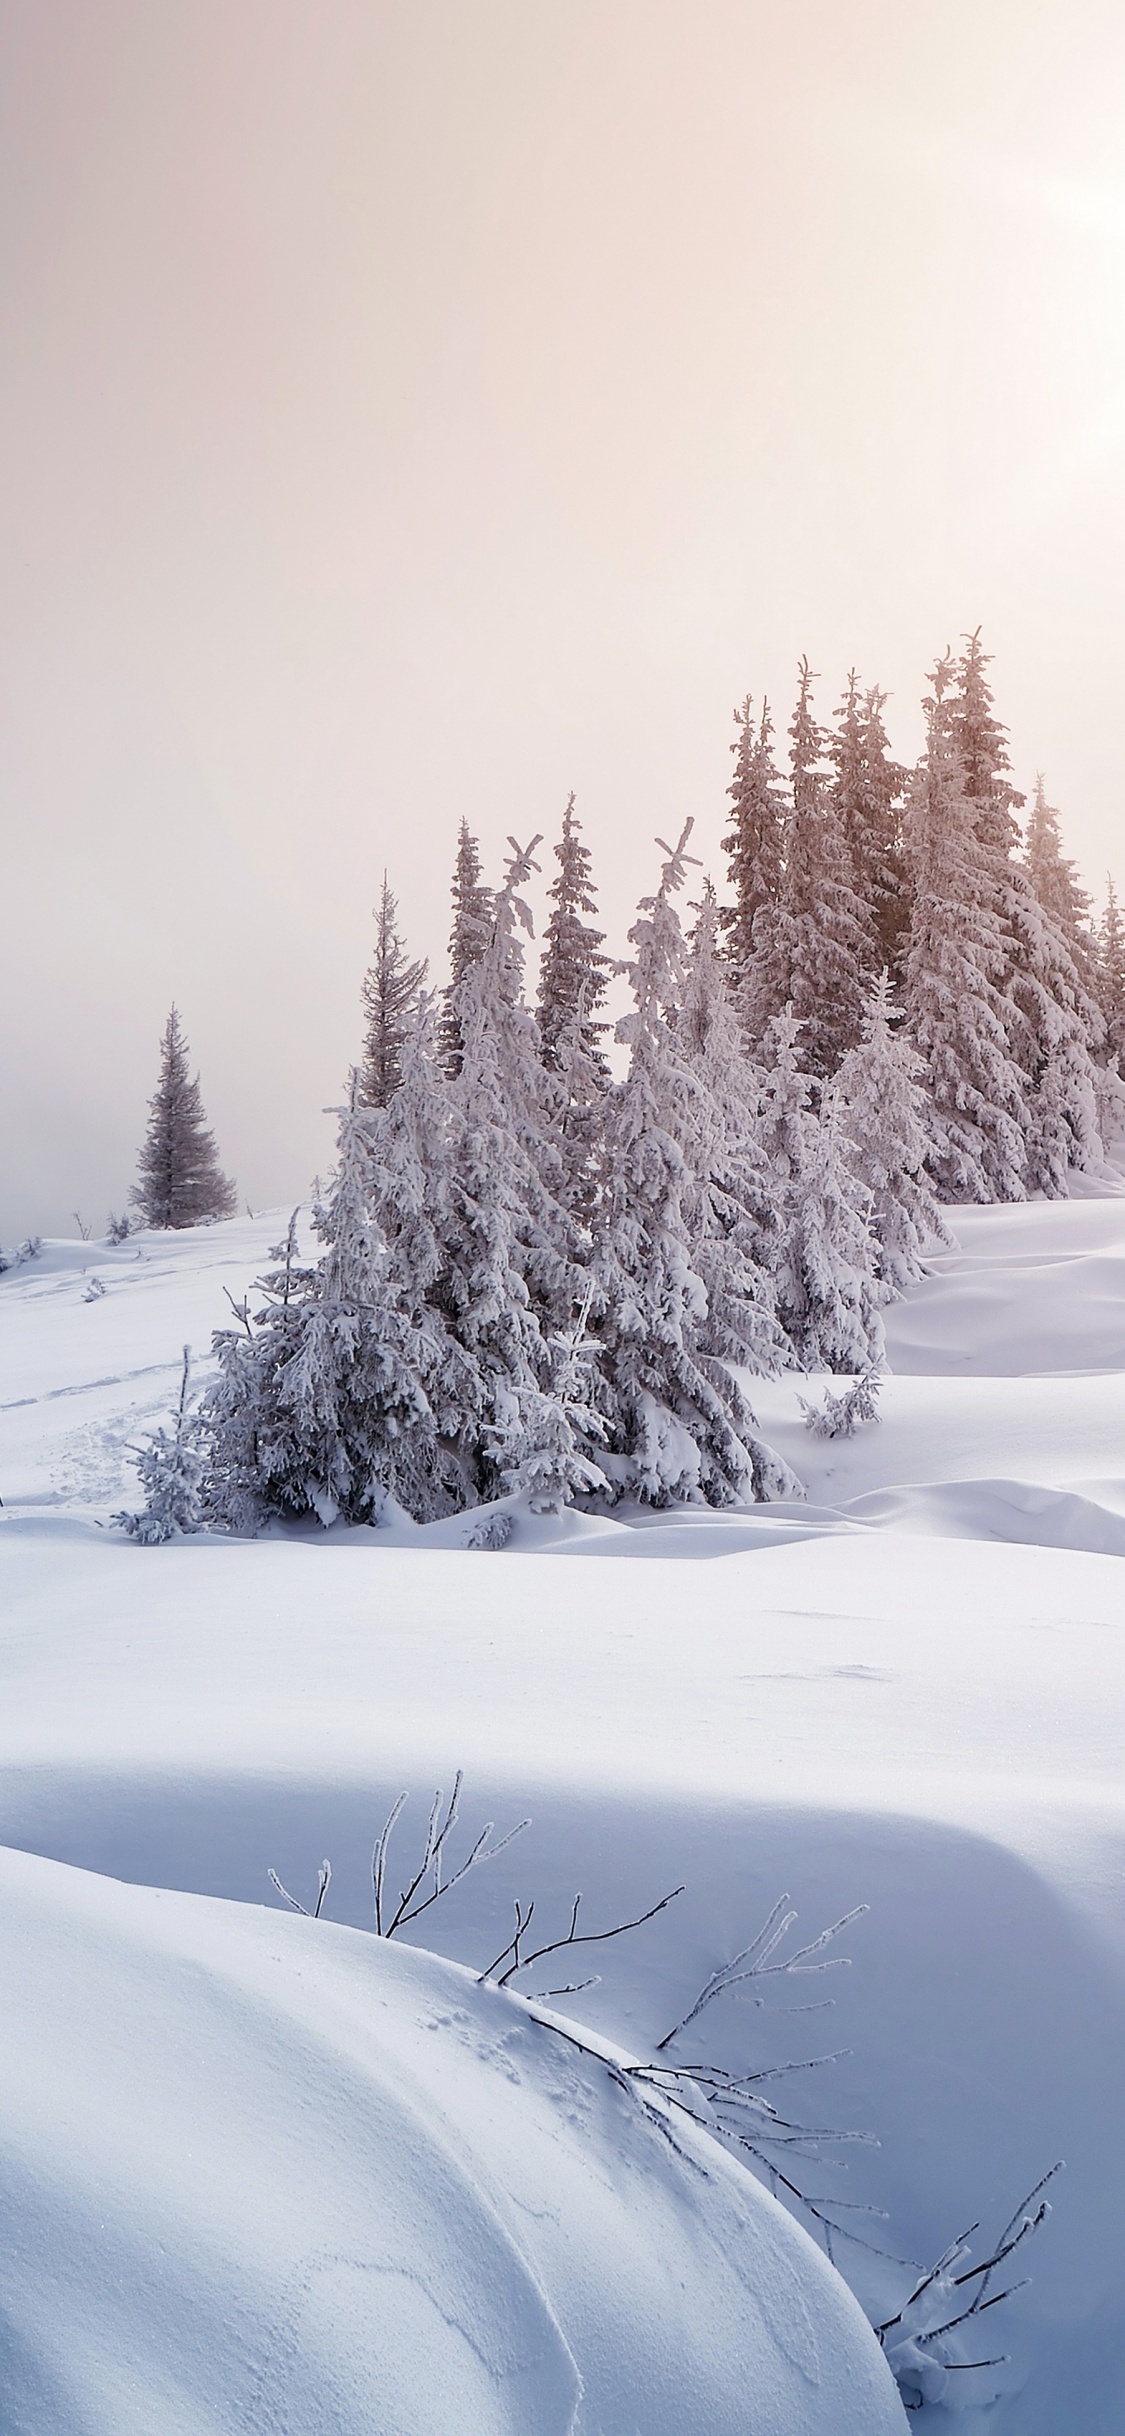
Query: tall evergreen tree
(730,1214)
(391,990)
(1051,1017)
(573,972)
(573,976)
(513,1276)
(679,1425)
(881,1106)
(813,947)
(1053,876)
(179,1180)
(868,790)
(468,938)
(956,970)
(1111,958)
(823,1255)
(755,843)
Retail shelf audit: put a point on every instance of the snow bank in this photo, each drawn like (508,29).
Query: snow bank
(264,2174)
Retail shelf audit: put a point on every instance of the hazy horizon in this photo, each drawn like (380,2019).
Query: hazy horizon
(416,413)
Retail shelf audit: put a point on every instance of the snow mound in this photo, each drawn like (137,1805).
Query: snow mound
(266,2174)
(1038,1286)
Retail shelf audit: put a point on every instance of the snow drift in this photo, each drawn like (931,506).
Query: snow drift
(267,2175)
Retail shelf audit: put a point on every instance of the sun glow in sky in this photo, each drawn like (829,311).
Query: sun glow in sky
(416,410)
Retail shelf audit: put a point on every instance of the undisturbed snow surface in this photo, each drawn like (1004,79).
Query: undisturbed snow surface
(907,1691)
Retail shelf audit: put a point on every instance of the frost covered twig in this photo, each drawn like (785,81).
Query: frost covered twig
(917,2339)
(432,1861)
(323,1882)
(756,1961)
(522,1962)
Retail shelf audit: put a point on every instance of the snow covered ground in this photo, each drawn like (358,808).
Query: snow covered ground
(906,1692)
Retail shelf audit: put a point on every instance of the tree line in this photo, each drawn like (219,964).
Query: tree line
(540,1277)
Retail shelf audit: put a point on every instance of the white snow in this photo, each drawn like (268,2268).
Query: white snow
(908,1691)
(267,2175)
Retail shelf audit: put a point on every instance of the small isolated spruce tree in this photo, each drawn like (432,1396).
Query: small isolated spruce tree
(171,1472)
(390,994)
(179,1180)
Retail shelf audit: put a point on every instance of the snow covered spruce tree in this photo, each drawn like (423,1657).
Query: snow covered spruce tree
(468,938)
(814,946)
(573,974)
(823,1255)
(881,1108)
(171,1473)
(1052,1020)
(391,989)
(513,1282)
(755,844)
(179,1180)
(868,790)
(1111,976)
(321,1406)
(956,967)
(680,1428)
(730,1215)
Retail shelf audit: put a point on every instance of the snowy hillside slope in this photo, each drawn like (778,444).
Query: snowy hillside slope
(908,1691)
(262,2175)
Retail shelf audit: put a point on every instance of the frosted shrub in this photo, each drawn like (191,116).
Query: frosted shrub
(839,1416)
(170,1470)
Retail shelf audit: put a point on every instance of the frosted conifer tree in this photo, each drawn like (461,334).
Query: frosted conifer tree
(755,844)
(881,1110)
(513,1279)
(468,938)
(390,995)
(813,947)
(1111,960)
(573,971)
(573,975)
(956,969)
(170,1470)
(824,1254)
(179,1181)
(730,1214)
(1054,877)
(321,1405)
(679,1425)
(1052,1020)
(868,789)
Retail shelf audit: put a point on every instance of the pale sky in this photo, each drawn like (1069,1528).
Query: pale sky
(423,409)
